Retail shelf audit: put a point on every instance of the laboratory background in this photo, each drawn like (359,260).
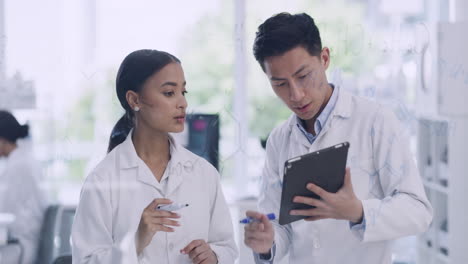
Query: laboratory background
(59,59)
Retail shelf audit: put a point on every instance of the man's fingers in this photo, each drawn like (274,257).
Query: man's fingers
(256,236)
(253,214)
(264,224)
(317,190)
(267,226)
(315,218)
(347,177)
(256,226)
(254,243)
(309,201)
(307,212)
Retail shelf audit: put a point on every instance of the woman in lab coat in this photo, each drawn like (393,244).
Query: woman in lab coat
(19,190)
(117,220)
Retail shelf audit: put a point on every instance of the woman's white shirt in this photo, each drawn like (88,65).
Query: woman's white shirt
(115,194)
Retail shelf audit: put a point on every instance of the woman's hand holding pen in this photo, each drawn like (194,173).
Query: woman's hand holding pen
(200,252)
(259,235)
(153,221)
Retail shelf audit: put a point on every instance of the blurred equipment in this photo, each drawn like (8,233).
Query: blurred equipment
(201,136)
(16,92)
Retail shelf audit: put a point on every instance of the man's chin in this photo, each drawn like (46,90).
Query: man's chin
(304,116)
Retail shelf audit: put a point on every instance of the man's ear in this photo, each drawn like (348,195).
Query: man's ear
(325,57)
(132,99)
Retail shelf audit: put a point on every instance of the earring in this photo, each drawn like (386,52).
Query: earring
(136,109)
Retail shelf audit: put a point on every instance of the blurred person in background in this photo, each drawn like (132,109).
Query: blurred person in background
(117,220)
(20,194)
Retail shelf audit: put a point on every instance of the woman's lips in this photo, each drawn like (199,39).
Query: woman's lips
(180,119)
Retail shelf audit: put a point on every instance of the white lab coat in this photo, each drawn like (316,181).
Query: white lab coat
(115,194)
(384,177)
(21,196)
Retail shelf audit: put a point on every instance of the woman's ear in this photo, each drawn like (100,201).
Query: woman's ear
(132,99)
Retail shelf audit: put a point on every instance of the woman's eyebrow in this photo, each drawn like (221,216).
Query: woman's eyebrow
(169,84)
(173,84)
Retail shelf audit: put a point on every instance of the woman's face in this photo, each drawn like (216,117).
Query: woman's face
(162,100)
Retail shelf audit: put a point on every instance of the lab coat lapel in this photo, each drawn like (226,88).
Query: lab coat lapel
(296,133)
(342,109)
(177,167)
(129,160)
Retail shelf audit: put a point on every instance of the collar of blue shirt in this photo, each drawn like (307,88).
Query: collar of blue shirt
(321,119)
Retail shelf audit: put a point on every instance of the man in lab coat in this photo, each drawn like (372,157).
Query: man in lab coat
(382,197)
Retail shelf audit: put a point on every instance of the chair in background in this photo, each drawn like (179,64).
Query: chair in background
(55,235)
(63,260)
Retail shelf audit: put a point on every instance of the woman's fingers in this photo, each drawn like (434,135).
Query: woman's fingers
(162,228)
(160,213)
(165,221)
(157,202)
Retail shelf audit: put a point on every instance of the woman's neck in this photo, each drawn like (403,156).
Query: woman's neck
(151,146)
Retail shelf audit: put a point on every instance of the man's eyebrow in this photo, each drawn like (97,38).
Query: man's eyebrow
(282,79)
(300,69)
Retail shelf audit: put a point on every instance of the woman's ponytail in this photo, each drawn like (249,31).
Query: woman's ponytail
(120,131)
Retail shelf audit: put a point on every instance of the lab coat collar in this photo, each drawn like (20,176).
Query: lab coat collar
(129,159)
(343,109)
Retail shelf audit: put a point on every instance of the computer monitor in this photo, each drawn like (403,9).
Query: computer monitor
(203,138)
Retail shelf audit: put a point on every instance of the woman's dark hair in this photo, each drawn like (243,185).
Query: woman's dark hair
(283,32)
(10,129)
(135,69)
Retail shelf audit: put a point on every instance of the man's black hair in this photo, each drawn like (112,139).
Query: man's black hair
(283,32)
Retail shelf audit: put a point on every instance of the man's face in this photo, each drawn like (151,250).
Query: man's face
(299,79)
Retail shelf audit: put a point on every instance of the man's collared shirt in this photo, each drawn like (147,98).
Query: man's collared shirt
(321,119)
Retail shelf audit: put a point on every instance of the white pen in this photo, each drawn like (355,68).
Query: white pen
(171,207)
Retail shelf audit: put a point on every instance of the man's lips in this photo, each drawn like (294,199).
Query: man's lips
(302,108)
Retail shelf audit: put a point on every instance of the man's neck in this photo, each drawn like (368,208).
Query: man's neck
(310,123)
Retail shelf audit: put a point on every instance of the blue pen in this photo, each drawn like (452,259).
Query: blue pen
(249,220)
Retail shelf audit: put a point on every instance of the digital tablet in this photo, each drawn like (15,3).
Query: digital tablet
(325,168)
